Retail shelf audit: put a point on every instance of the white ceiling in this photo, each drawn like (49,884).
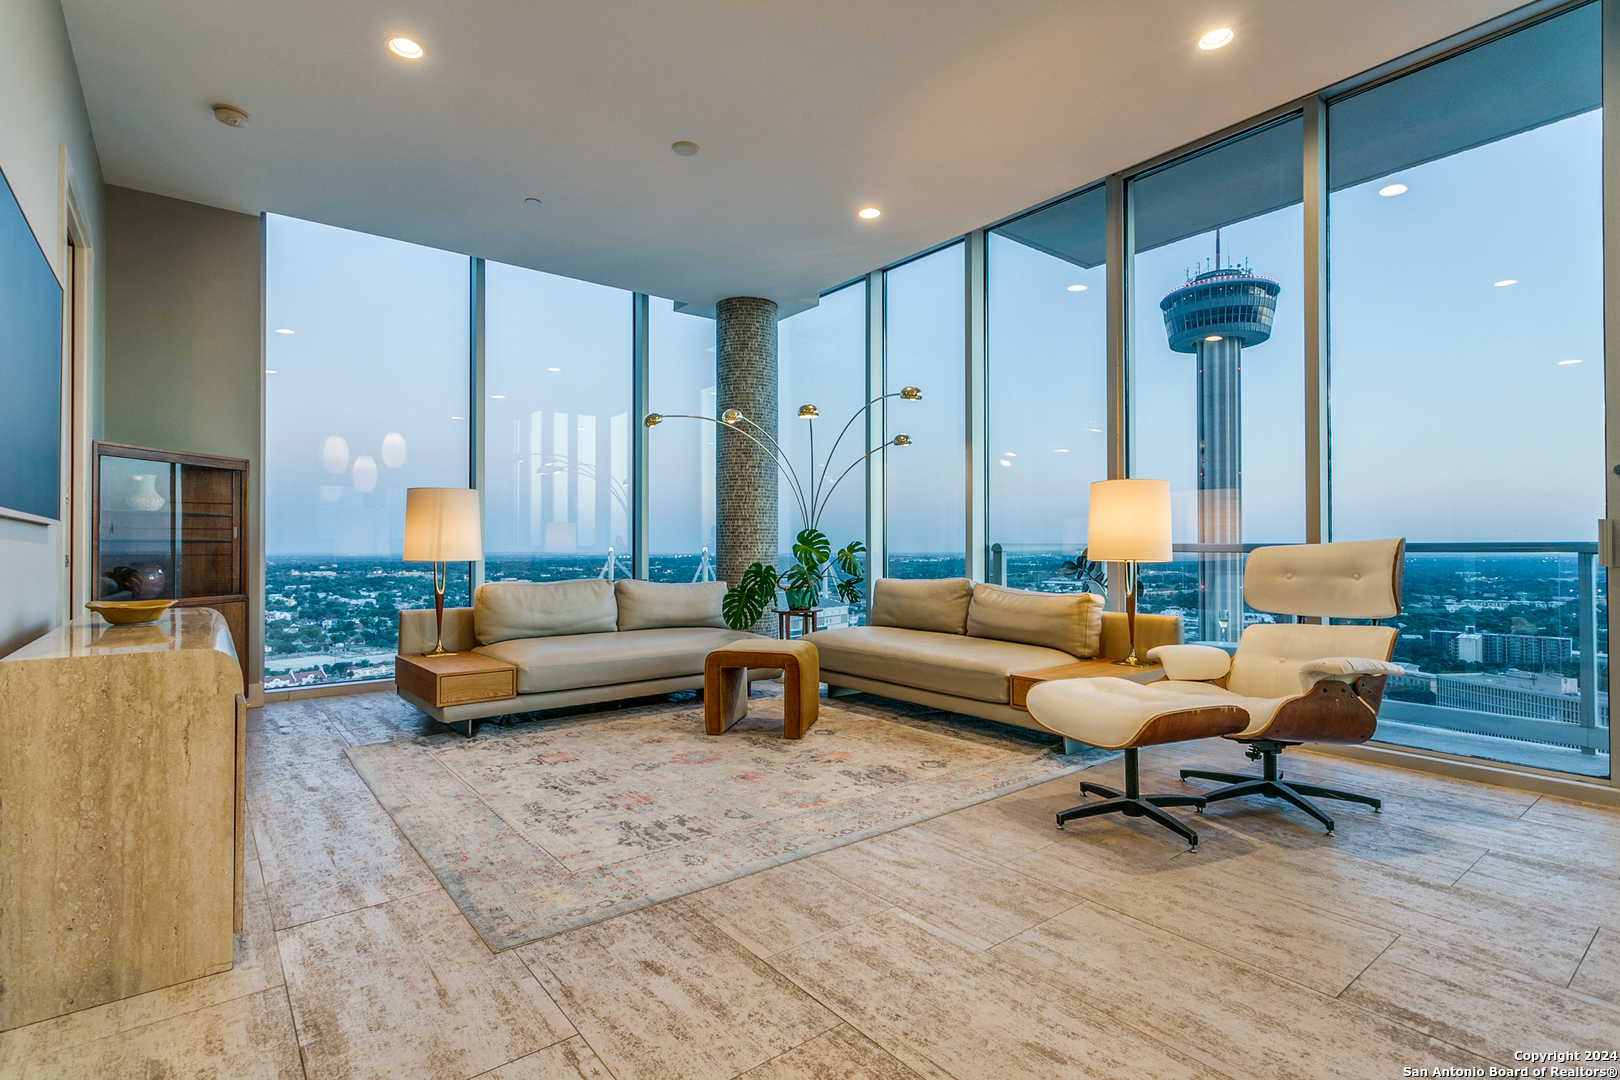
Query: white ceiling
(948,114)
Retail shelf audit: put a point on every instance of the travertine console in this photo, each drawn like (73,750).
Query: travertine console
(121,760)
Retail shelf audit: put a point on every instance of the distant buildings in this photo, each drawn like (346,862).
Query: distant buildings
(1517,693)
(1471,647)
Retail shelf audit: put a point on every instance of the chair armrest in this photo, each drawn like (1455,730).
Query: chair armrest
(1344,669)
(1192,663)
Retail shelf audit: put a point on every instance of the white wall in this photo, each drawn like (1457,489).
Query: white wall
(42,110)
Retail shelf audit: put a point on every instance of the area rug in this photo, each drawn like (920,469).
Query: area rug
(554,824)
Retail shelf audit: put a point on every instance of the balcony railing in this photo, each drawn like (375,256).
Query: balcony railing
(1587,730)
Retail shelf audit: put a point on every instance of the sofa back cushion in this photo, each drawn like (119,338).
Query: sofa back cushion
(656,605)
(504,610)
(937,604)
(1071,622)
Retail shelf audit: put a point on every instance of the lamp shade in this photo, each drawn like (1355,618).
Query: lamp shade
(1129,521)
(442,525)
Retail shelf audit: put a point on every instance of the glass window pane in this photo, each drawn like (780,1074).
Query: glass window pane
(1467,388)
(1047,395)
(1217,364)
(926,481)
(366,395)
(822,362)
(681,456)
(557,438)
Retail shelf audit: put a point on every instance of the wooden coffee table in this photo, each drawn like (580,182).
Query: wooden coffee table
(1018,683)
(725,683)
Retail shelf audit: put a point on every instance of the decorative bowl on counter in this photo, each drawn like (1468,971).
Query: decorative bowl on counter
(129,612)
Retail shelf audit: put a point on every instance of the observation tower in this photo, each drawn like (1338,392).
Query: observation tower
(1215,316)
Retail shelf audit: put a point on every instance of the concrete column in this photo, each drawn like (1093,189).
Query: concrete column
(1220,488)
(745,475)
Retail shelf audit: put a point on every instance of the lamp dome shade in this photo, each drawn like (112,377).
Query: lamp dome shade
(1129,521)
(442,525)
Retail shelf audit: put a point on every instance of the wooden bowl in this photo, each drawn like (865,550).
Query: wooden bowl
(129,612)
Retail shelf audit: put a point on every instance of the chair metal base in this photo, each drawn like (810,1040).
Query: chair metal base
(1132,803)
(1271,785)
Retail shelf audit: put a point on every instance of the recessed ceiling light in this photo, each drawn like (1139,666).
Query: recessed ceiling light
(1563,363)
(1213,337)
(870,212)
(1060,450)
(1077,288)
(498,397)
(531,201)
(1007,463)
(404,46)
(1507,281)
(272,371)
(458,418)
(1098,430)
(1216,38)
(283,330)
(553,369)
(1392,189)
(684,148)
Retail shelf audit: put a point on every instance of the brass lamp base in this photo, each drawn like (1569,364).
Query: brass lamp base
(1134,661)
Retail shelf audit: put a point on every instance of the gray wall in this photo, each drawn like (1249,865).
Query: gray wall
(184,356)
(44,140)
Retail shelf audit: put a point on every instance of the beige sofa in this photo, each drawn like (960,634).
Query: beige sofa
(579,642)
(952,645)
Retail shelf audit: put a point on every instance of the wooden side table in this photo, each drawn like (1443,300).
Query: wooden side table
(784,621)
(1018,683)
(725,684)
(456,679)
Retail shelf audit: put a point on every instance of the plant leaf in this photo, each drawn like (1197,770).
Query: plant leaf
(811,548)
(743,604)
(848,562)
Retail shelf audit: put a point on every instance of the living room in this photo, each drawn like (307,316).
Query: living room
(567,541)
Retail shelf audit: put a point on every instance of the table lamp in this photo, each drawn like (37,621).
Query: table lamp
(1129,522)
(442,525)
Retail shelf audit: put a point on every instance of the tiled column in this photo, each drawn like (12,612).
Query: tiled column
(745,475)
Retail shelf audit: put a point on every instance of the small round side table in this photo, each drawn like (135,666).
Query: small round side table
(784,621)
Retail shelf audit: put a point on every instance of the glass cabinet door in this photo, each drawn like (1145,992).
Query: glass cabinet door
(167,531)
(136,543)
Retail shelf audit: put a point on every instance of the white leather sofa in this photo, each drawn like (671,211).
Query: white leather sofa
(949,644)
(579,642)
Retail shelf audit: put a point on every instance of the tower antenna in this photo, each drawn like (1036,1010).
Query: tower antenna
(1217,249)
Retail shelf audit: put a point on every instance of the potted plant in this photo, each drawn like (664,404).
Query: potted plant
(1090,576)
(814,563)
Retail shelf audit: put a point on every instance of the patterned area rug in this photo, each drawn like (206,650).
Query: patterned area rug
(555,824)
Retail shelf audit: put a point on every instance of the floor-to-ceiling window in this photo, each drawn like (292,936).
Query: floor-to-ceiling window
(366,394)
(557,367)
(1467,387)
(1216,364)
(680,476)
(926,482)
(1047,328)
(822,363)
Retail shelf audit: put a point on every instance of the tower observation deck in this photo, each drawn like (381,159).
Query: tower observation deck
(1215,316)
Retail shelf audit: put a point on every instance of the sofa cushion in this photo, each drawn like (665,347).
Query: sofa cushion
(955,664)
(1068,621)
(504,610)
(652,605)
(576,661)
(936,604)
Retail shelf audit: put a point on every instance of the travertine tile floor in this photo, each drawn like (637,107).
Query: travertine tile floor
(1461,925)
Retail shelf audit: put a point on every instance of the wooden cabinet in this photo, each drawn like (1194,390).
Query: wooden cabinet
(122,833)
(168,525)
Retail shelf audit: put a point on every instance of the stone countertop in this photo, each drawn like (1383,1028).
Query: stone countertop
(177,629)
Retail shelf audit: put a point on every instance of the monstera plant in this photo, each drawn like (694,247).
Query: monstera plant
(814,564)
(1089,575)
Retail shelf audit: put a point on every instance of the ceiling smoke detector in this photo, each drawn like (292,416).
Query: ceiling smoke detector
(684,148)
(230,115)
